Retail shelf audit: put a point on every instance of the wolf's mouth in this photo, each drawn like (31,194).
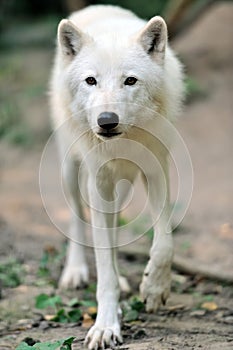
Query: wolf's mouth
(109,134)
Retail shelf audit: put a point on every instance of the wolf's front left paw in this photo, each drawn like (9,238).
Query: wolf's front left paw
(155,286)
(74,277)
(103,337)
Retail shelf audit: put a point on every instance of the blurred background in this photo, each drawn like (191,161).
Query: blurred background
(27,42)
(31,249)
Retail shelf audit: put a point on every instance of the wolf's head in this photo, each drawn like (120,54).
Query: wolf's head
(116,81)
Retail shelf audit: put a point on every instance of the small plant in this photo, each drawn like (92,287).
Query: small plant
(132,309)
(64,316)
(71,312)
(50,259)
(43,301)
(11,273)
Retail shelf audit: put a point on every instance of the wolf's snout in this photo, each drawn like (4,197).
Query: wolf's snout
(108,120)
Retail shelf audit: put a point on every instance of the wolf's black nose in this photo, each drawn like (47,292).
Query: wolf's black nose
(108,120)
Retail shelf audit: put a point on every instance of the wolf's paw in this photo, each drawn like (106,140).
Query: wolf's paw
(124,284)
(103,337)
(74,277)
(155,286)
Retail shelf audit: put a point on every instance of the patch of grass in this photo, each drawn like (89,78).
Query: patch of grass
(8,117)
(22,90)
(11,128)
(11,273)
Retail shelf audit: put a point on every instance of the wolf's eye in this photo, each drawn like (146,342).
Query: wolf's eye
(130,81)
(91,81)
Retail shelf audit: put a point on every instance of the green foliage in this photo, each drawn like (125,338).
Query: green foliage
(43,301)
(73,302)
(69,312)
(131,315)
(19,135)
(11,273)
(150,233)
(137,304)
(208,298)
(200,299)
(67,343)
(50,259)
(11,128)
(64,316)
(132,309)
(122,221)
(64,344)
(88,303)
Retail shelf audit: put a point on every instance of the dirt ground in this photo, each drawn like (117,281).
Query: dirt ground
(199,313)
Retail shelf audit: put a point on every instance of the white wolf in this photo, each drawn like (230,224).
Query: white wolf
(114,77)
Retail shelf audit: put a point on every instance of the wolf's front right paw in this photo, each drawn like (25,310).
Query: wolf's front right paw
(74,277)
(103,337)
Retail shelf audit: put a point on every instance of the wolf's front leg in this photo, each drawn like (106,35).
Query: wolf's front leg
(155,286)
(106,331)
(75,273)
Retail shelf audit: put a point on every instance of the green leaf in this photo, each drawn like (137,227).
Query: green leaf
(23,346)
(131,315)
(44,300)
(43,272)
(61,316)
(74,315)
(122,221)
(137,304)
(208,297)
(63,344)
(88,303)
(90,289)
(150,233)
(67,344)
(73,302)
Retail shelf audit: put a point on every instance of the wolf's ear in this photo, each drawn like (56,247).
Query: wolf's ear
(70,38)
(153,36)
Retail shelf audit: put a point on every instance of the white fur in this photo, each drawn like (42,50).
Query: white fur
(111,44)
